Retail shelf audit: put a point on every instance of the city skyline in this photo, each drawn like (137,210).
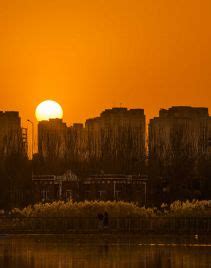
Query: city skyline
(174,156)
(65,119)
(32,128)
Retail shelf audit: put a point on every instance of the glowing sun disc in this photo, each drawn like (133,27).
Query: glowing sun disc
(48,109)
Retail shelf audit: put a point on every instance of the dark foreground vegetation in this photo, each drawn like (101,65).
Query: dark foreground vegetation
(190,217)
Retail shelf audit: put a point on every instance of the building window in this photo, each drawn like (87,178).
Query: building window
(68,195)
(87,195)
(101,195)
(117,195)
(44,195)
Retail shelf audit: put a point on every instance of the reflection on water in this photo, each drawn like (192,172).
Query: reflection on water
(62,252)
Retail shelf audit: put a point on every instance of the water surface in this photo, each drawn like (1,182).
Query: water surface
(103,252)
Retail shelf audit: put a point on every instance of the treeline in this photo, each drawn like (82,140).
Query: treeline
(194,208)
(15,181)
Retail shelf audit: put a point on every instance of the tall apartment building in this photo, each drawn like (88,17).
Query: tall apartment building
(13,159)
(179,130)
(178,149)
(52,140)
(116,140)
(77,146)
(13,139)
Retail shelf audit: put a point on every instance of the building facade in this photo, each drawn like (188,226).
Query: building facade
(13,138)
(52,145)
(13,160)
(184,127)
(52,136)
(76,147)
(114,142)
(178,147)
(106,187)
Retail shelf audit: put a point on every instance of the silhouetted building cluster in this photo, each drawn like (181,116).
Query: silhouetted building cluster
(111,143)
(176,157)
(110,157)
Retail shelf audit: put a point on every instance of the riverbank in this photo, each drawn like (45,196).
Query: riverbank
(92,225)
(116,238)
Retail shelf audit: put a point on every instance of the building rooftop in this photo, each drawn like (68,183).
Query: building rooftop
(9,113)
(183,112)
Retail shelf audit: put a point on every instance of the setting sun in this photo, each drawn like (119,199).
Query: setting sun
(48,110)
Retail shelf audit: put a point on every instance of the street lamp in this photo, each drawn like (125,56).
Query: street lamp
(145,193)
(32,145)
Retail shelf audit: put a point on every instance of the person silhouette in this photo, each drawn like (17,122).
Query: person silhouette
(105,220)
(100,220)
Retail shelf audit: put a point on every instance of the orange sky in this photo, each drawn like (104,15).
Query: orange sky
(94,54)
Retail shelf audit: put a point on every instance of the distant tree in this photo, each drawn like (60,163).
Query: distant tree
(175,168)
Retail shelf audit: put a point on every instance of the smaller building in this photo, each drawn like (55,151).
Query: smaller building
(47,188)
(115,187)
(130,188)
